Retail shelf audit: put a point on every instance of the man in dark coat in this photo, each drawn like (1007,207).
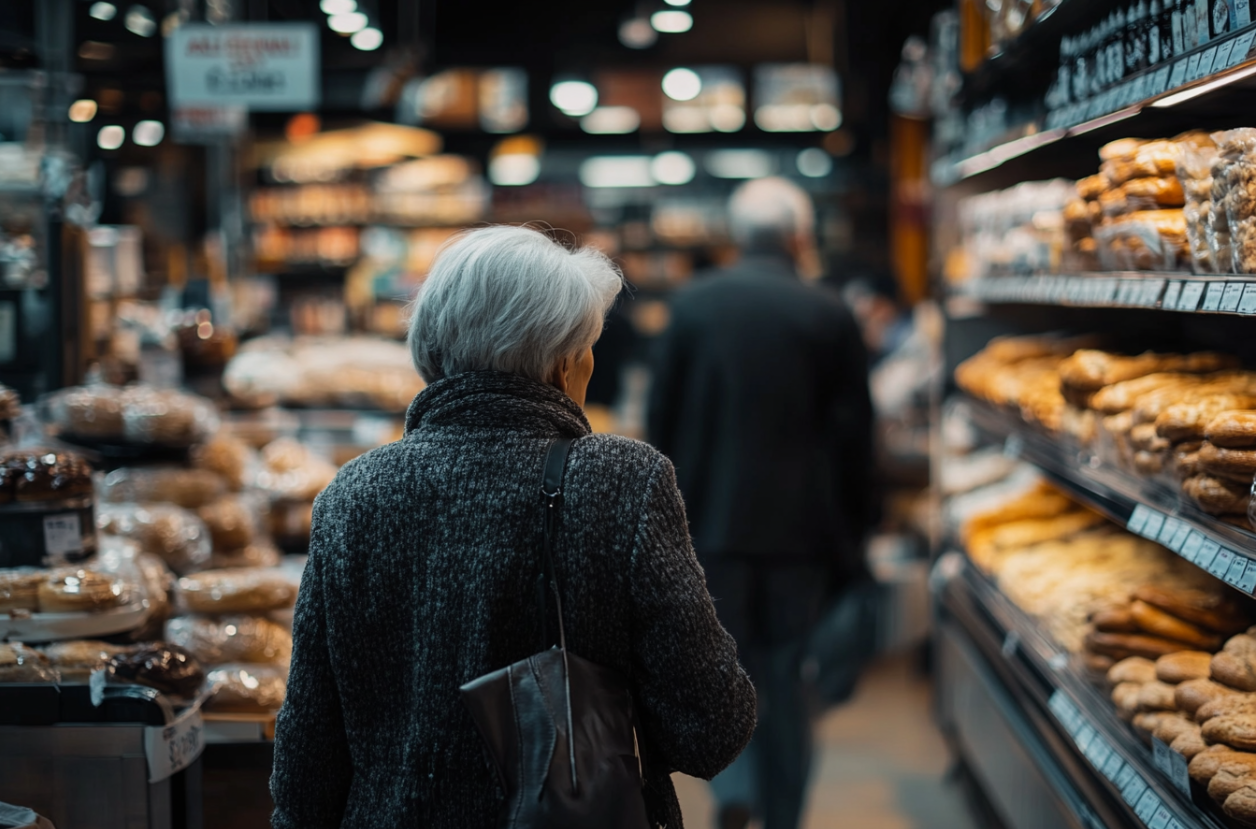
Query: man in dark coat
(760,398)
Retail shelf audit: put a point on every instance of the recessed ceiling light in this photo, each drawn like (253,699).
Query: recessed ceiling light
(148,133)
(575,98)
(110,137)
(103,11)
(637,33)
(672,168)
(338,6)
(347,24)
(682,84)
(368,40)
(82,110)
(514,169)
(139,20)
(671,22)
(611,121)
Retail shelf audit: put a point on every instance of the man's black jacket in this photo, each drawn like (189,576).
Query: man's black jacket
(760,398)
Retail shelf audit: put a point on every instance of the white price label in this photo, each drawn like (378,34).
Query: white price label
(1237,572)
(1155,522)
(1242,44)
(1171,295)
(1242,13)
(63,534)
(1138,519)
(1205,61)
(1013,446)
(1162,79)
(1125,292)
(1248,583)
(1147,806)
(1190,548)
(1212,298)
(1230,297)
(1181,775)
(1179,538)
(1207,552)
(1161,756)
(1167,531)
(172,748)
(1221,562)
(1192,69)
(1191,293)
(1113,768)
(1247,305)
(1160,820)
(1222,60)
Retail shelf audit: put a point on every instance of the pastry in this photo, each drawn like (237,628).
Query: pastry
(19,589)
(1234,703)
(1238,672)
(189,488)
(236,591)
(1241,804)
(1170,728)
(1238,464)
(257,554)
(1204,765)
(79,591)
(18,663)
(171,533)
(1091,187)
(231,524)
(1115,620)
(227,456)
(1193,694)
(166,417)
(1232,430)
(1149,721)
(1134,669)
(1155,621)
(1235,730)
(1121,397)
(89,412)
(1189,743)
(1232,774)
(43,475)
(1091,370)
(76,659)
(1184,460)
(1125,698)
(246,689)
(1096,663)
(1156,696)
(1122,645)
(1211,609)
(1165,191)
(168,668)
(1189,420)
(231,639)
(1217,496)
(1184,666)
(1145,438)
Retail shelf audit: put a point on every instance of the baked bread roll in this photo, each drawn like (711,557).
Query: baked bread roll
(1091,370)
(168,668)
(1237,464)
(1194,694)
(1184,460)
(1232,430)
(1136,669)
(171,533)
(1224,706)
(231,638)
(1148,721)
(1238,672)
(1158,623)
(1183,667)
(1232,774)
(246,689)
(19,589)
(1165,191)
(1212,609)
(1125,698)
(1170,728)
(1204,765)
(1189,420)
(1217,496)
(18,663)
(1115,620)
(1241,804)
(258,554)
(1122,645)
(76,659)
(1145,438)
(1091,187)
(237,591)
(232,524)
(1235,730)
(1121,397)
(80,591)
(1189,743)
(1156,696)
(1096,663)
(229,457)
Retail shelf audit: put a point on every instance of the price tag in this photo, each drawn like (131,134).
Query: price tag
(1125,781)
(1248,583)
(1238,569)
(1125,292)
(1179,538)
(1138,519)
(1207,552)
(1162,80)
(1170,528)
(1242,13)
(1205,61)
(1160,755)
(1084,735)
(1192,70)
(1190,549)
(63,534)
(1100,752)
(1230,297)
(1222,60)
(1155,522)
(1247,305)
(1160,820)
(1172,294)
(1174,824)
(174,747)
(1113,768)
(1191,293)
(1212,298)
(1221,562)
(1242,44)
(1147,805)
(1058,704)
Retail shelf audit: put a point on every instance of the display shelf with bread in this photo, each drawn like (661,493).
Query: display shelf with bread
(1180,292)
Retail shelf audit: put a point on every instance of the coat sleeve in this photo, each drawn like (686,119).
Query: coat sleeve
(313,769)
(696,704)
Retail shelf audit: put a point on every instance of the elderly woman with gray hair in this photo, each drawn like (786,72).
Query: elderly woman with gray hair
(424,556)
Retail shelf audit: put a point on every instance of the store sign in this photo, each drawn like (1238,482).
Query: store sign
(262,66)
(207,124)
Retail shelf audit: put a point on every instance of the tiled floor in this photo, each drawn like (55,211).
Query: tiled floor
(881,763)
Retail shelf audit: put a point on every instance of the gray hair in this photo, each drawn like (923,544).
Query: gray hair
(510,299)
(764,211)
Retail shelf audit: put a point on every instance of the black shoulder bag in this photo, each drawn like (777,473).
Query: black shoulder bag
(558,728)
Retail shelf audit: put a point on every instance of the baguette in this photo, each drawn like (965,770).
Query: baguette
(1155,621)
(1213,610)
(1232,430)
(1115,620)
(1237,464)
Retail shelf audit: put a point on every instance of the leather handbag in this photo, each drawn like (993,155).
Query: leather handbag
(558,729)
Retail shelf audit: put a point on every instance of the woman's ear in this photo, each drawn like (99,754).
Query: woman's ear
(558,376)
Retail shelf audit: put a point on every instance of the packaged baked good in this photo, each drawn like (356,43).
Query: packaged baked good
(246,689)
(291,471)
(1145,240)
(237,591)
(1091,187)
(19,589)
(173,534)
(19,663)
(93,411)
(229,457)
(1232,430)
(231,638)
(1194,169)
(1238,196)
(261,553)
(190,488)
(10,403)
(232,521)
(79,590)
(28,475)
(1151,158)
(133,414)
(76,659)
(168,668)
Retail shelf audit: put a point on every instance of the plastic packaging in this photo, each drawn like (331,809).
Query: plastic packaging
(229,457)
(246,689)
(1195,173)
(173,534)
(232,521)
(168,668)
(261,553)
(190,488)
(1149,240)
(291,471)
(231,638)
(132,414)
(1237,167)
(19,663)
(35,474)
(83,590)
(240,590)
(76,659)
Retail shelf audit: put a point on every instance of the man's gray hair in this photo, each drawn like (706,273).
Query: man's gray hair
(762,212)
(510,299)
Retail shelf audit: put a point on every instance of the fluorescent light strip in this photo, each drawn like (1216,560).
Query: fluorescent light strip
(1119,115)
(995,156)
(1186,94)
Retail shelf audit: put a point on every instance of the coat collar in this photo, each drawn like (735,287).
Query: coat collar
(496,399)
(766,263)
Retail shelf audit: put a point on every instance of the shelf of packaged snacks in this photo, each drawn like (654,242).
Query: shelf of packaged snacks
(1144,507)
(1202,72)
(1120,778)
(1182,292)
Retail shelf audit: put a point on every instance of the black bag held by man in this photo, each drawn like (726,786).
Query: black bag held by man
(558,728)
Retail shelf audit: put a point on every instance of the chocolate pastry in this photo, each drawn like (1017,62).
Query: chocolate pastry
(168,668)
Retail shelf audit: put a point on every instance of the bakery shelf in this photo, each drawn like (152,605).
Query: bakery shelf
(1145,507)
(1097,750)
(1233,294)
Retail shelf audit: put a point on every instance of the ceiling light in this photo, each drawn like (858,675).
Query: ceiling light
(814,162)
(139,21)
(682,84)
(740,164)
(110,137)
(103,11)
(825,117)
(348,23)
(148,133)
(338,6)
(727,117)
(672,168)
(671,22)
(575,98)
(368,40)
(637,33)
(677,2)
(514,169)
(82,110)
(1186,94)
(617,171)
(611,121)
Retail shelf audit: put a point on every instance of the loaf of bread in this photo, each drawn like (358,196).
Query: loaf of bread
(1159,623)
(1232,774)
(1193,694)
(1185,666)
(232,638)
(1117,619)
(1156,696)
(76,659)
(1217,496)
(1232,430)
(1189,420)
(1203,766)
(229,457)
(1125,698)
(1215,610)
(19,663)
(1235,730)
(1122,645)
(1189,743)
(231,521)
(1164,191)
(246,689)
(80,591)
(1241,804)
(19,589)
(237,591)
(1225,705)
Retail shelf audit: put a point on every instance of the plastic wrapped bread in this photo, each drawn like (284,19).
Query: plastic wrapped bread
(237,590)
(173,534)
(231,638)
(246,689)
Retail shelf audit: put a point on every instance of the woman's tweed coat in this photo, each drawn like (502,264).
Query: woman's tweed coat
(421,577)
